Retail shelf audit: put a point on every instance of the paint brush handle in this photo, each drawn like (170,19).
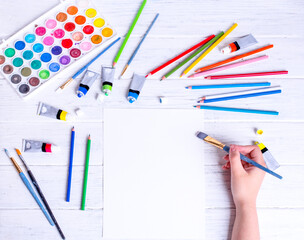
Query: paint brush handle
(246,159)
(35,183)
(29,187)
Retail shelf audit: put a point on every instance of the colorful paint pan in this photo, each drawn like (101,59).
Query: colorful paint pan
(52,43)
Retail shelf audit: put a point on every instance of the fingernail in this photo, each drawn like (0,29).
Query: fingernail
(232,147)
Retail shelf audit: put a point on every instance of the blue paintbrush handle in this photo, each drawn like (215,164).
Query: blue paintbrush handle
(246,159)
(29,187)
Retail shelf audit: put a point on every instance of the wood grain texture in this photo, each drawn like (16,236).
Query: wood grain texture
(181,24)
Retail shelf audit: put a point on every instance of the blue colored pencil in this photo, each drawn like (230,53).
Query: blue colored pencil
(70,165)
(256,84)
(86,66)
(236,110)
(29,187)
(240,96)
(139,45)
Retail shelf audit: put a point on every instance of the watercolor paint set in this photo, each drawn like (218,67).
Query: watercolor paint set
(52,43)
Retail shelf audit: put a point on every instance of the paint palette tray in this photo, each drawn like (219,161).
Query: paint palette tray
(52,43)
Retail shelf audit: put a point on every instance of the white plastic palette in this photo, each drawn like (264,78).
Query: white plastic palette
(52,43)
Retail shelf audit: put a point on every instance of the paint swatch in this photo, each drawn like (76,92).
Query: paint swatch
(52,43)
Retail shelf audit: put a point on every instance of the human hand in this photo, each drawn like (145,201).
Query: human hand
(246,179)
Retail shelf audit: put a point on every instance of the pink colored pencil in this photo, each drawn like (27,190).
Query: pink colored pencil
(247,75)
(229,66)
(180,55)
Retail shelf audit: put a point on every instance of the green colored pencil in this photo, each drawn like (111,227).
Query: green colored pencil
(193,55)
(86,171)
(129,32)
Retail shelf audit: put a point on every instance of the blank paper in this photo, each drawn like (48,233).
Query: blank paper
(153,174)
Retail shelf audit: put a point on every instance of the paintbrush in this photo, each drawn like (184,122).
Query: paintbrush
(226,148)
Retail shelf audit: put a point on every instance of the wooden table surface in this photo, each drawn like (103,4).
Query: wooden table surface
(181,24)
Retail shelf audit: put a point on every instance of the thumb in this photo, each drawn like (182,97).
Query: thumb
(235,161)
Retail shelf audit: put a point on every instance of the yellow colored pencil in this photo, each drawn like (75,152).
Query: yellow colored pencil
(209,49)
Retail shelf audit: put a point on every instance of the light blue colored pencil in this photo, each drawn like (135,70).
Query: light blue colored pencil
(240,96)
(242,110)
(233,85)
(139,45)
(29,187)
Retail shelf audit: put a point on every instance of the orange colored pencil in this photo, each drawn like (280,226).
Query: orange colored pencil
(234,58)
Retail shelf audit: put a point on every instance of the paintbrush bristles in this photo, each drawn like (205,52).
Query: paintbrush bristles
(13,160)
(210,140)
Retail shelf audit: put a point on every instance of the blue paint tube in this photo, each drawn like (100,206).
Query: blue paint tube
(137,84)
(87,81)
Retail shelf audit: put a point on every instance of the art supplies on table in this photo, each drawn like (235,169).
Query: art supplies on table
(229,66)
(52,112)
(226,148)
(107,77)
(241,110)
(181,55)
(153,174)
(86,82)
(232,85)
(63,86)
(270,161)
(207,42)
(39,146)
(29,187)
(51,43)
(234,58)
(129,32)
(241,43)
(38,189)
(70,165)
(209,49)
(258,74)
(86,173)
(136,86)
(139,45)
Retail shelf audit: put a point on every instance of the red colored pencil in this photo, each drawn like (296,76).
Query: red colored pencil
(180,56)
(247,75)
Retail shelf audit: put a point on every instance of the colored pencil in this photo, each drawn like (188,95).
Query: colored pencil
(86,172)
(226,148)
(235,93)
(229,66)
(234,58)
(208,42)
(70,165)
(180,55)
(38,189)
(241,96)
(233,85)
(247,75)
(129,32)
(209,49)
(63,86)
(139,45)
(29,187)
(243,110)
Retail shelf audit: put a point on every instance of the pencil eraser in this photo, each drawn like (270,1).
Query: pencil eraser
(163,100)
(79,112)
(100,97)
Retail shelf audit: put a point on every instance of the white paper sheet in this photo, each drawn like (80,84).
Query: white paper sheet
(153,174)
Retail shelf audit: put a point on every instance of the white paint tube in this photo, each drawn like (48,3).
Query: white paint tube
(86,82)
(241,43)
(38,146)
(137,84)
(52,112)
(270,161)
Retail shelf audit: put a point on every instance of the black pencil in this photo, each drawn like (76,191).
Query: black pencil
(35,183)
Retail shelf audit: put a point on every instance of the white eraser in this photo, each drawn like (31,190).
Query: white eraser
(100,97)
(79,112)
(163,100)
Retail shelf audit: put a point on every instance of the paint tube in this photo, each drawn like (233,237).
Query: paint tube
(107,79)
(270,161)
(86,82)
(241,43)
(137,84)
(38,146)
(52,112)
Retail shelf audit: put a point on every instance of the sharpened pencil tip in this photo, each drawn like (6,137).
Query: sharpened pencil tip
(163,78)
(114,63)
(183,74)
(89,137)
(18,151)
(191,76)
(73,128)
(148,75)
(208,77)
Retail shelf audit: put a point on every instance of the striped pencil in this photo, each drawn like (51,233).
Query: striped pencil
(259,74)
(229,66)
(234,58)
(209,49)
(233,85)
(180,56)
(242,110)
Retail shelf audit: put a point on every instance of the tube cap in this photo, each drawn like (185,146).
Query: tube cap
(132,97)
(81,92)
(55,149)
(226,50)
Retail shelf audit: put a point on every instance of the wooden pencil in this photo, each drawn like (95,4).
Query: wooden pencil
(86,173)
(258,74)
